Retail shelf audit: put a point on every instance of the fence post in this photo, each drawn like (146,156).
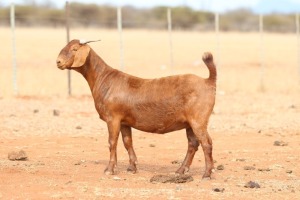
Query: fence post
(14,57)
(68,39)
(217,30)
(262,67)
(298,42)
(169,16)
(119,14)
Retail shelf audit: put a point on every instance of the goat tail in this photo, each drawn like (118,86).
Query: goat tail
(209,62)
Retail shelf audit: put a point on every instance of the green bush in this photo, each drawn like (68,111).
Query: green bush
(185,18)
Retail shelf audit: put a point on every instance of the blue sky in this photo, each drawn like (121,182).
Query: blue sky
(212,5)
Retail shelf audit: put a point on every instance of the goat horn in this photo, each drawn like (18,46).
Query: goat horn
(85,42)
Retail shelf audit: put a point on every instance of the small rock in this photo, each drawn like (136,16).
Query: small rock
(21,155)
(78,127)
(35,111)
(78,163)
(220,167)
(280,143)
(252,184)
(218,189)
(68,182)
(241,159)
(289,171)
(292,106)
(176,162)
(116,178)
(56,112)
(249,168)
(152,145)
(264,169)
(97,162)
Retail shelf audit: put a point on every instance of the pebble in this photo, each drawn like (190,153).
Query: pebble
(77,163)
(249,168)
(220,167)
(21,155)
(56,112)
(264,170)
(218,189)
(116,178)
(252,184)
(280,143)
(176,162)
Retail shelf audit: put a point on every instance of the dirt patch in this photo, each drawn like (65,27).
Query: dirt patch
(171,178)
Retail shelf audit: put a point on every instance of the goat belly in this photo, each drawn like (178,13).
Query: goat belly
(155,124)
(161,128)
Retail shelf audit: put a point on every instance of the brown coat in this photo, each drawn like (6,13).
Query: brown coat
(152,105)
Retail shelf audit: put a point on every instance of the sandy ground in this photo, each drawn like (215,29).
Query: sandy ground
(68,151)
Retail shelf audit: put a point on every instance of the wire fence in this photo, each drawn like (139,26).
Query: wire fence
(220,45)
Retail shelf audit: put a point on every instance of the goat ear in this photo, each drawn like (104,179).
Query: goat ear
(81,55)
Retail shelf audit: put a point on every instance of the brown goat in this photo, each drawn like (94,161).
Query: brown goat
(151,105)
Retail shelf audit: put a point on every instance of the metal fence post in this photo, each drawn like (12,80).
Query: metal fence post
(169,16)
(217,30)
(119,15)
(14,57)
(262,64)
(68,39)
(298,42)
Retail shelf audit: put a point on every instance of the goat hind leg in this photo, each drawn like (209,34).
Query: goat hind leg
(127,140)
(206,143)
(192,148)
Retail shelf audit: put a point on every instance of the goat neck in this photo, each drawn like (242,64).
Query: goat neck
(94,69)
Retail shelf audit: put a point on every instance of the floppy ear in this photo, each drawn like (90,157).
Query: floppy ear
(81,55)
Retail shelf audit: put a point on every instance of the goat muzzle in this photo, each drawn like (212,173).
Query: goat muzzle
(59,64)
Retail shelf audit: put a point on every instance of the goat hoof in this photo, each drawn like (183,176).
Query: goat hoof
(182,170)
(206,177)
(131,169)
(179,172)
(108,172)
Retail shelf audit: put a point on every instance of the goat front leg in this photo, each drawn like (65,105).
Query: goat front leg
(114,131)
(127,140)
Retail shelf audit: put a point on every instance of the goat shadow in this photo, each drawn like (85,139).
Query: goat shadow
(165,168)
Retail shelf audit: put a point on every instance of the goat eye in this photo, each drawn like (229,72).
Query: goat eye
(74,49)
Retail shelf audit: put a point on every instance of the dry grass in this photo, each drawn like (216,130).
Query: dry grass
(146,54)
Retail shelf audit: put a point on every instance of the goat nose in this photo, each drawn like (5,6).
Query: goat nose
(58,62)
